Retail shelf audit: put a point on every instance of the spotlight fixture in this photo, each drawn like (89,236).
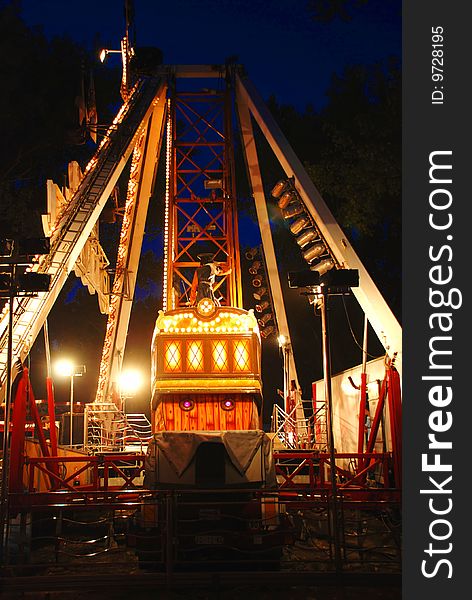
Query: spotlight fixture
(267,331)
(324,265)
(254,268)
(104,52)
(314,251)
(265,319)
(279,188)
(299,224)
(286,198)
(262,306)
(251,253)
(259,294)
(293,210)
(257,281)
(306,237)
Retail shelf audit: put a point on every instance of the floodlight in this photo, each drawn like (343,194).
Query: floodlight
(129,382)
(323,266)
(286,198)
(299,224)
(259,294)
(262,306)
(279,188)
(256,265)
(306,237)
(267,331)
(293,210)
(314,251)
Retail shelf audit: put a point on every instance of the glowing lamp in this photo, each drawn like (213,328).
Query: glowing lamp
(268,331)
(262,306)
(293,210)
(279,188)
(206,307)
(299,224)
(64,368)
(264,319)
(309,235)
(260,293)
(129,382)
(251,253)
(314,251)
(324,265)
(286,198)
(256,265)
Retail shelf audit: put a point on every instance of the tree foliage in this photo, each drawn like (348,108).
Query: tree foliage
(354,159)
(39,118)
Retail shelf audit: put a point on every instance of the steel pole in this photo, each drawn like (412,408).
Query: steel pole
(4,521)
(329,415)
(71,408)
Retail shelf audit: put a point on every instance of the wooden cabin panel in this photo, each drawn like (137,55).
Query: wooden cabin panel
(207,414)
(210,415)
(169,416)
(217,415)
(193,418)
(177,415)
(246,414)
(230,418)
(201,417)
(238,415)
(185,419)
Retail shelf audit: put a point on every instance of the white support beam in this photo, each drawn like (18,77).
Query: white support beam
(252,162)
(373,304)
(130,250)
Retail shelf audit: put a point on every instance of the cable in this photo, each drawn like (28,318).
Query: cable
(352,332)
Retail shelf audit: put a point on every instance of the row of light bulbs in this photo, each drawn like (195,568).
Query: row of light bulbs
(303,227)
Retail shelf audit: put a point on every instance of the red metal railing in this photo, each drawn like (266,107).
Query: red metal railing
(311,470)
(99,470)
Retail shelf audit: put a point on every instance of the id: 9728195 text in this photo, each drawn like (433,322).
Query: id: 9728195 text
(437,64)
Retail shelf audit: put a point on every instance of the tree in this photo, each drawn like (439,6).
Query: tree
(41,81)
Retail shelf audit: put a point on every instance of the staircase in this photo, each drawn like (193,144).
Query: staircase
(295,433)
(108,429)
(74,225)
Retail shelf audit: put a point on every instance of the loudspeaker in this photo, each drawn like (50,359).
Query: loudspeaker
(77,429)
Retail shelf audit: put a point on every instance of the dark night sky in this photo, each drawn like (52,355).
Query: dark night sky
(284,50)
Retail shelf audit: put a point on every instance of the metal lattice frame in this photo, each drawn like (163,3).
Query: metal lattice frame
(202,220)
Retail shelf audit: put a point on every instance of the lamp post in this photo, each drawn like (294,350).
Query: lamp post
(129,383)
(16,281)
(66,368)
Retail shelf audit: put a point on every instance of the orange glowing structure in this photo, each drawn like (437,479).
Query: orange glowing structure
(206,369)
(206,359)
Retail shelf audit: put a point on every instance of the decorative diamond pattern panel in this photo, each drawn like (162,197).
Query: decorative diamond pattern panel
(241,355)
(172,357)
(219,356)
(195,356)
